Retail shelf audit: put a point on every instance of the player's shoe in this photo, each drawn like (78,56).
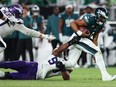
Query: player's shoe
(109,78)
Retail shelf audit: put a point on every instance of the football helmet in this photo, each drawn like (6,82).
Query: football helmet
(16,10)
(101,15)
(35,8)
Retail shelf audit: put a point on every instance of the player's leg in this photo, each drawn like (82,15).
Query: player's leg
(74,55)
(27,71)
(2,45)
(16,65)
(89,47)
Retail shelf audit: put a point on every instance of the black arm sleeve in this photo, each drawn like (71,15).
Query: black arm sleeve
(1,15)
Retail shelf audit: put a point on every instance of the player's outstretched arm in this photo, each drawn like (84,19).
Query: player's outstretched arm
(60,49)
(63,47)
(31,32)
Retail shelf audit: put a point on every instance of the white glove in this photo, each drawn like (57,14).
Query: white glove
(49,37)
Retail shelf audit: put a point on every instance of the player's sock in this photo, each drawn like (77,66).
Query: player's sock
(100,63)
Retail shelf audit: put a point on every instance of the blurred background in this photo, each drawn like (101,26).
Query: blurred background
(49,17)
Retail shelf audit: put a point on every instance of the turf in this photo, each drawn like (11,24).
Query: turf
(80,77)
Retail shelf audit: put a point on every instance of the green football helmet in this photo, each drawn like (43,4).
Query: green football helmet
(101,15)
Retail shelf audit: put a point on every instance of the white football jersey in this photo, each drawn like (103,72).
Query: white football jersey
(5,30)
(44,67)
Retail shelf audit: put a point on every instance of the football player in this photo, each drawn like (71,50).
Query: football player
(38,70)
(30,71)
(11,21)
(88,42)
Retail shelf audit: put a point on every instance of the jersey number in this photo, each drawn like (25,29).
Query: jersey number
(52,60)
(68,21)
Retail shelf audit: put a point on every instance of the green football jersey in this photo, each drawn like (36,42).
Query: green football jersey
(92,24)
(36,23)
(67,20)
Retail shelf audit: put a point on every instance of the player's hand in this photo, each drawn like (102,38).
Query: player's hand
(9,22)
(85,34)
(50,37)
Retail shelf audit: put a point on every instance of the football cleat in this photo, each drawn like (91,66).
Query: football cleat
(109,78)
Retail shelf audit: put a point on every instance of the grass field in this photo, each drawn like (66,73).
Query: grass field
(80,77)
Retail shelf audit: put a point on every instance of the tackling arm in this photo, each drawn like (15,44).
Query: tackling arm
(32,33)
(60,49)
(63,47)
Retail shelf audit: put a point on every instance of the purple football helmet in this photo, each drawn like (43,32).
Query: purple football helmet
(16,10)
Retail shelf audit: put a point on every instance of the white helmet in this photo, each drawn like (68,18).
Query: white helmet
(35,8)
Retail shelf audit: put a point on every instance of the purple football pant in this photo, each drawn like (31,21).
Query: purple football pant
(25,70)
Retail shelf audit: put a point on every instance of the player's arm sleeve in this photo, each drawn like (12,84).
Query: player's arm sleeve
(32,33)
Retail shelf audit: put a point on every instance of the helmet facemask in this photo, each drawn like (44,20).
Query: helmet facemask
(101,19)
(101,15)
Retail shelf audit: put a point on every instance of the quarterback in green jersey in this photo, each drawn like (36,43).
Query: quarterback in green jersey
(88,42)
(93,24)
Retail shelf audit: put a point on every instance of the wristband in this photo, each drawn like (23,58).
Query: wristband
(79,32)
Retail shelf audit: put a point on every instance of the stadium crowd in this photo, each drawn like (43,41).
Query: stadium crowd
(55,20)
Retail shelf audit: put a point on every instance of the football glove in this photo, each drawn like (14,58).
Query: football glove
(49,37)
